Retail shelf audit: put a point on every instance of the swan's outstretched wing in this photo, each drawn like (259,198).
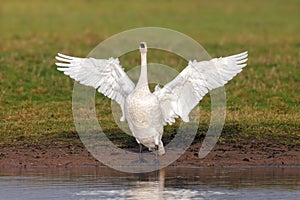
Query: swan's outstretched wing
(181,95)
(105,75)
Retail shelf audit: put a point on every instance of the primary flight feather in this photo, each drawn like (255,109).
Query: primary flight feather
(147,113)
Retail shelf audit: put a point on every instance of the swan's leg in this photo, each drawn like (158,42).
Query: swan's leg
(156,152)
(141,148)
(156,161)
(141,159)
(141,154)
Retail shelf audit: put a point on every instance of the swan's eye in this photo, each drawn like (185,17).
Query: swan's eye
(142,45)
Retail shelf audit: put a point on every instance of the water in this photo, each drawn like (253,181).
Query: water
(170,183)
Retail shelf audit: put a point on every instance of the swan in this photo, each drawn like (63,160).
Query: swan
(147,113)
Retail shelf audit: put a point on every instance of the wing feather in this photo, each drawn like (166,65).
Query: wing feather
(105,75)
(180,96)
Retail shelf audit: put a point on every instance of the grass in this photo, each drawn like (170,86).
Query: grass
(262,101)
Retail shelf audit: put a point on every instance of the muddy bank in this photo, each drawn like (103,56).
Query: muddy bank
(72,153)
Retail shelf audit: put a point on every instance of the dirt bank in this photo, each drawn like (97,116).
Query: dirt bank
(71,152)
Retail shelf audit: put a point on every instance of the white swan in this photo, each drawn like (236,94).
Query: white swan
(146,112)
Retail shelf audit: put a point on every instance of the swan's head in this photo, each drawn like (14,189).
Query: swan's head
(143,47)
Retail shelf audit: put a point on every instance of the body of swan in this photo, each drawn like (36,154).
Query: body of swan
(144,117)
(146,112)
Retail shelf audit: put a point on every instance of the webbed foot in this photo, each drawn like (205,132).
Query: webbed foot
(155,162)
(141,160)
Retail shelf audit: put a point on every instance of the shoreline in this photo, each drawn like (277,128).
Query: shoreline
(223,155)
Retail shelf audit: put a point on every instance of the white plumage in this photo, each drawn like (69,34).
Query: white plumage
(146,112)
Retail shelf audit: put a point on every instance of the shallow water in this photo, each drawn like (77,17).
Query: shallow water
(169,183)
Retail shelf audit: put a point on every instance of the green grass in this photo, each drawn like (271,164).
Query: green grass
(35,99)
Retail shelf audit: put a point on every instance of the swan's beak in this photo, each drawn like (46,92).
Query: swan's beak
(143,47)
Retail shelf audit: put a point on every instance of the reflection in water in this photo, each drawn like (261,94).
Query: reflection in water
(169,183)
(145,186)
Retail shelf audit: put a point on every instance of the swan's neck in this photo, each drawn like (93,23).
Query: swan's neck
(143,80)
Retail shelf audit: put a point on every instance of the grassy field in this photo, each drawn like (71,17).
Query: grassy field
(262,102)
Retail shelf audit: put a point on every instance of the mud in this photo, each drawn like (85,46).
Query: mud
(73,154)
